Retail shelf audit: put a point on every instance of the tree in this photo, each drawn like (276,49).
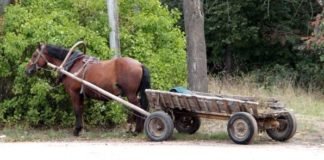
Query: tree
(196,47)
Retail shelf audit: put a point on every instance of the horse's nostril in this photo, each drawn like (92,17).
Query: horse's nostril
(29,71)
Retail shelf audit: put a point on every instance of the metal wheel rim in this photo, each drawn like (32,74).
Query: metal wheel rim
(156,127)
(240,129)
(283,125)
(186,122)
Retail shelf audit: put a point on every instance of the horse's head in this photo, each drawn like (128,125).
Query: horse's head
(37,61)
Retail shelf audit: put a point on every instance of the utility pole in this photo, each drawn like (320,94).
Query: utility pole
(3,4)
(196,46)
(112,10)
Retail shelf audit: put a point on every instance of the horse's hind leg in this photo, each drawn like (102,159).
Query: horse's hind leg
(77,102)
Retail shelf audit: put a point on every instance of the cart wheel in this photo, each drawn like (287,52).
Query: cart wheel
(158,126)
(186,123)
(242,127)
(286,130)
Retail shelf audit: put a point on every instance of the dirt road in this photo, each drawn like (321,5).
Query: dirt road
(153,151)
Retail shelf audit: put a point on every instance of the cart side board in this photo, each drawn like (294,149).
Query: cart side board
(209,106)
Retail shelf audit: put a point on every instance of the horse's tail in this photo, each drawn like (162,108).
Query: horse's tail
(145,84)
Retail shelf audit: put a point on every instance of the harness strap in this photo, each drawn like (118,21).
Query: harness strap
(69,63)
(85,69)
(39,54)
(87,60)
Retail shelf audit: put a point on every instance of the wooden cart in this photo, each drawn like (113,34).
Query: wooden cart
(246,115)
(182,110)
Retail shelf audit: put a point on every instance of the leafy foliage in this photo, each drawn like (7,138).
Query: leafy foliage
(260,36)
(148,34)
(259,32)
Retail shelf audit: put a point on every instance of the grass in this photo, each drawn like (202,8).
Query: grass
(34,135)
(308,106)
(306,103)
(92,134)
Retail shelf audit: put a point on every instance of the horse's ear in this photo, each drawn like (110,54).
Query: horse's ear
(39,45)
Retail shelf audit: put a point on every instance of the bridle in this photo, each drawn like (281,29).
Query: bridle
(40,53)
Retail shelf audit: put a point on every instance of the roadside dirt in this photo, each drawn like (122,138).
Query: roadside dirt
(156,150)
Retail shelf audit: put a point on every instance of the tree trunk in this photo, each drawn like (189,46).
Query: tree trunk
(196,46)
(228,59)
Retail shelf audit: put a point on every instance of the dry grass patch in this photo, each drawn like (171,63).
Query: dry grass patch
(308,106)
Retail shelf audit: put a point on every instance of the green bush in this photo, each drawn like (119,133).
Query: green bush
(148,33)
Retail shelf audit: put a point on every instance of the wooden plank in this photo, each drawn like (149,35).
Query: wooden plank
(183,103)
(234,106)
(175,100)
(209,105)
(157,101)
(168,100)
(227,108)
(193,103)
(162,101)
(222,108)
(201,104)
(198,107)
(222,116)
(238,97)
(187,103)
(204,97)
(214,107)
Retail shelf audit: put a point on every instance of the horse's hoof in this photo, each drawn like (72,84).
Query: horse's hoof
(132,133)
(139,130)
(76,133)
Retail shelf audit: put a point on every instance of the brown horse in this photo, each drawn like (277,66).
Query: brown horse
(119,76)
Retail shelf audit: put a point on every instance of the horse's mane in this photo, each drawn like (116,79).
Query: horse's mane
(57,52)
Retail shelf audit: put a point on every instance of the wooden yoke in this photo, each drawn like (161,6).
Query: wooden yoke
(70,52)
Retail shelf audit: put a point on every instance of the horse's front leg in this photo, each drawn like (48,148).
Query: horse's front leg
(77,102)
(139,121)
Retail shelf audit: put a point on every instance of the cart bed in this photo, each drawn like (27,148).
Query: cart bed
(218,105)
